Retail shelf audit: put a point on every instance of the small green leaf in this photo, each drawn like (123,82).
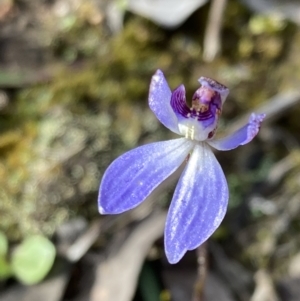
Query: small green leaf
(5,269)
(33,259)
(3,244)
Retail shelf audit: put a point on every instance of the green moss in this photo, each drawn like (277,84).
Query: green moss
(58,137)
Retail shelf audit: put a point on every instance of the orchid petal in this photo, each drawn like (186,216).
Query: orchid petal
(242,136)
(159,102)
(134,175)
(198,206)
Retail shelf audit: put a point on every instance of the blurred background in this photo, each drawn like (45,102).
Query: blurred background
(74,79)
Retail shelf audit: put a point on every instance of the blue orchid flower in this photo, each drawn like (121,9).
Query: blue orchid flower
(201,195)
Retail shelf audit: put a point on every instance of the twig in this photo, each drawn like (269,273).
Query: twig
(117,275)
(212,36)
(84,242)
(202,272)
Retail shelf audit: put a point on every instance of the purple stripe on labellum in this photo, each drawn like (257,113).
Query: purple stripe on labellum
(178,102)
(206,103)
(202,116)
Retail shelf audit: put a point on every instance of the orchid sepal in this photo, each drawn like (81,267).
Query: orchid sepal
(241,137)
(134,175)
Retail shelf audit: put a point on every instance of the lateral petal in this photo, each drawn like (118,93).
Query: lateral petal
(134,175)
(198,206)
(241,137)
(159,102)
